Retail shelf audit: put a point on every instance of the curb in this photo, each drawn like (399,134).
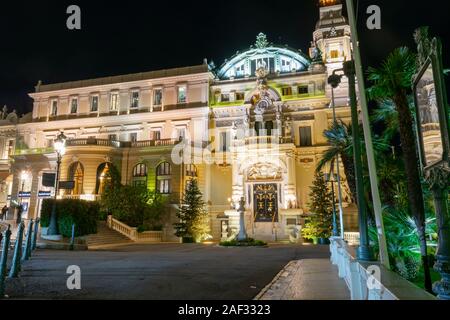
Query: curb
(266,288)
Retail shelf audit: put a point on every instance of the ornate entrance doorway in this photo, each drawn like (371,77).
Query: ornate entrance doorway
(265,202)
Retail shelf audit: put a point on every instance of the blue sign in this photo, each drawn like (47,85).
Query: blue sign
(24,194)
(44,194)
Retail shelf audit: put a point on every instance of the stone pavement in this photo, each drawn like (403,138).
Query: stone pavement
(158,272)
(310,279)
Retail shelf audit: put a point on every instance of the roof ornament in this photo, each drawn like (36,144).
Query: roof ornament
(38,86)
(261,41)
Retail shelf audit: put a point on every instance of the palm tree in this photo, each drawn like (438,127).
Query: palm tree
(341,144)
(393,81)
(340,140)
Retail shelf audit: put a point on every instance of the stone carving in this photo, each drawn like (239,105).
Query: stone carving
(261,41)
(264,171)
(423,45)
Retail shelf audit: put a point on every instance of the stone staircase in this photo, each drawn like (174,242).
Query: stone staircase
(106,237)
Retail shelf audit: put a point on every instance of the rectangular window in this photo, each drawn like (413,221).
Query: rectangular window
(112,137)
(156,135)
(225,97)
(287,91)
(133,137)
(163,186)
(305,137)
(94,103)
(181,134)
(285,66)
(157,97)
(334,54)
(114,102)
(49,142)
(74,106)
(134,100)
(240,96)
(182,95)
(54,111)
(303,90)
(223,141)
(10,148)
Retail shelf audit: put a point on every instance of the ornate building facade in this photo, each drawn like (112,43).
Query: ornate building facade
(252,129)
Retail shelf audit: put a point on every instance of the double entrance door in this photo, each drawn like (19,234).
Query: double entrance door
(265,199)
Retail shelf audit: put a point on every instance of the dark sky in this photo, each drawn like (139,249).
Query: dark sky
(136,36)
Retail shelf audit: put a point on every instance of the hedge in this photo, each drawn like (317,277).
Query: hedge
(84,214)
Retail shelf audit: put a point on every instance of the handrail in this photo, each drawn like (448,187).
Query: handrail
(371,280)
(122,228)
(132,234)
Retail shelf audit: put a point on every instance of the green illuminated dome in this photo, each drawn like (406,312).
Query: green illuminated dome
(275,59)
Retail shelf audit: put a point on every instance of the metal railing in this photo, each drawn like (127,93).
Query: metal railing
(23,249)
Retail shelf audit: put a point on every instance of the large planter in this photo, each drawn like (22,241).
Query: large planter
(315,241)
(324,241)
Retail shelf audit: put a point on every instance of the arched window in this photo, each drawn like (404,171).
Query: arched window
(191,171)
(163,178)
(140,175)
(103,177)
(76,174)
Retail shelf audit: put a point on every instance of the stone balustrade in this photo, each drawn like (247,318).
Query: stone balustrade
(371,281)
(352,238)
(133,234)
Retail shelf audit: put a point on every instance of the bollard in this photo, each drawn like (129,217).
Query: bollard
(27,251)
(72,239)
(35,233)
(4,260)
(15,268)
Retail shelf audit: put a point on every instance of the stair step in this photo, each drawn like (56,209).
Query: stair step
(106,236)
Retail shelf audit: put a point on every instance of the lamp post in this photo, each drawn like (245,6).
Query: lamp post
(359,74)
(60,149)
(331,178)
(23,177)
(341,210)
(364,252)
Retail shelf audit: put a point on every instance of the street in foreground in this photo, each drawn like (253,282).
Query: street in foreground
(163,271)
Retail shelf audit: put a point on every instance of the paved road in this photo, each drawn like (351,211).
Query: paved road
(162,271)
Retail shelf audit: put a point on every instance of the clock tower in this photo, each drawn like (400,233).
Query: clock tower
(332,37)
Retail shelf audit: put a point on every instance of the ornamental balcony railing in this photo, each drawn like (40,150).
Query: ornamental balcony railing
(121,144)
(92,142)
(155,143)
(33,151)
(266,140)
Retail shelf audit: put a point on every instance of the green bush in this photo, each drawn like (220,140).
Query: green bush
(243,243)
(83,214)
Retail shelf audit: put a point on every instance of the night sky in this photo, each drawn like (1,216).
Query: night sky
(138,36)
